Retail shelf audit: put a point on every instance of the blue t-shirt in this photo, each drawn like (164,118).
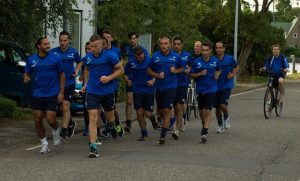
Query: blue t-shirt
(227,65)
(182,78)
(129,51)
(68,58)
(117,52)
(46,72)
(139,76)
(103,65)
(207,83)
(163,63)
(275,64)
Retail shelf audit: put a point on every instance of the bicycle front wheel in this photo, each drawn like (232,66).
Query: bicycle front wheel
(268,103)
(278,105)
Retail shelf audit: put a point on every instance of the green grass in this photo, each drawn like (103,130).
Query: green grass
(294,76)
(9,109)
(255,79)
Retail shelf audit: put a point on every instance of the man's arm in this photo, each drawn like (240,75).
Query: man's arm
(118,71)
(62,80)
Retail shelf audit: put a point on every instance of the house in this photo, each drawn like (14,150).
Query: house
(79,27)
(291,31)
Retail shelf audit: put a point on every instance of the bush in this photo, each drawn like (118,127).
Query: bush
(9,109)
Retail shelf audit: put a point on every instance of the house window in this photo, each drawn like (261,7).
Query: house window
(74,28)
(295,35)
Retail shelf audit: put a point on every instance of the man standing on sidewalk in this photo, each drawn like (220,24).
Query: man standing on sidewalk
(48,90)
(225,84)
(164,66)
(69,56)
(101,68)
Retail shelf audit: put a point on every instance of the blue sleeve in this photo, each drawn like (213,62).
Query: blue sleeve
(114,60)
(180,63)
(267,63)
(77,57)
(151,63)
(59,65)
(219,66)
(193,69)
(28,67)
(285,63)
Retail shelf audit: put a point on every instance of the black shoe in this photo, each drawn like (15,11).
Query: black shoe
(143,138)
(62,134)
(93,153)
(71,129)
(104,134)
(154,124)
(203,139)
(114,133)
(161,141)
(175,136)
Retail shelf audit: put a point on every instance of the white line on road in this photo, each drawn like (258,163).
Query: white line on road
(247,92)
(32,148)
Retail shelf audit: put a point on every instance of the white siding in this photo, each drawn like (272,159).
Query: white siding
(88,28)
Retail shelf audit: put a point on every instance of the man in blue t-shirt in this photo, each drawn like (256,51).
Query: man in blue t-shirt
(129,53)
(183,81)
(143,89)
(69,57)
(164,66)
(205,70)
(225,84)
(49,79)
(106,34)
(278,66)
(101,68)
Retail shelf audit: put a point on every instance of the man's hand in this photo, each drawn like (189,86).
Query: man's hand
(105,79)
(60,97)
(203,72)
(26,79)
(75,73)
(129,83)
(187,70)
(83,89)
(230,75)
(161,75)
(151,82)
(173,69)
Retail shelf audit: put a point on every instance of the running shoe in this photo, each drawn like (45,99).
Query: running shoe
(227,123)
(143,138)
(56,137)
(71,129)
(93,153)
(203,139)
(113,132)
(161,141)
(119,129)
(45,149)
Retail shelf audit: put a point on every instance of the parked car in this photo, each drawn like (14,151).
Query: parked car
(12,64)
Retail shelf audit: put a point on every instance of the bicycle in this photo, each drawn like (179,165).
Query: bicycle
(272,98)
(192,103)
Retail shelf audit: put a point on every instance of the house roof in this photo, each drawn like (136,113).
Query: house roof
(283,25)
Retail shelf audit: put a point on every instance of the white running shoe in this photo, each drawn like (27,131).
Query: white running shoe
(56,139)
(45,149)
(219,129)
(227,123)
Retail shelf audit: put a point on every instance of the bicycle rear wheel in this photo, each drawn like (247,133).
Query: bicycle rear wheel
(189,103)
(268,103)
(195,106)
(278,105)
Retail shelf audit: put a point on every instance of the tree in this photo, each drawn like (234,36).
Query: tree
(24,21)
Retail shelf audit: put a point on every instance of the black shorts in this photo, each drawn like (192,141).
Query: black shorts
(222,97)
(145,101)
(275,82)
(128,89)
(68,93)
(94,101)
(206,100)
(44,103)
(165,98)
(181,95)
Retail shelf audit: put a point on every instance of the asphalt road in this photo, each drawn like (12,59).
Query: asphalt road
(252,149)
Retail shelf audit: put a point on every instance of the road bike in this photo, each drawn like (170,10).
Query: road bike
(192,104)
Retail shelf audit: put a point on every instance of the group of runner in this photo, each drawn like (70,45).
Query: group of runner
(165,75)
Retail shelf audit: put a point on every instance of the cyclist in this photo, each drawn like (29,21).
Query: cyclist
(278,66)
(69,56)
(101,68)
(205,70)
(48,90)
(164,66)
(225,84)
(142,87)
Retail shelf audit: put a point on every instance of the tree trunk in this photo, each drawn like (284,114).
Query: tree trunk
(242,59)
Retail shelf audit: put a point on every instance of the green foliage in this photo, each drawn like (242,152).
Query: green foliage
(9,109)
(292,51)
(24,21)
(157,17)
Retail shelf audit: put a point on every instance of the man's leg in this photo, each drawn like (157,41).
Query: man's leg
(179,117)
(281,88)
(51,118)
(93,118)
(66,118)
(40,130)
(141,119)
(129,103)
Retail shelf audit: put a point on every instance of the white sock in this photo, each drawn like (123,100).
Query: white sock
(44,141)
